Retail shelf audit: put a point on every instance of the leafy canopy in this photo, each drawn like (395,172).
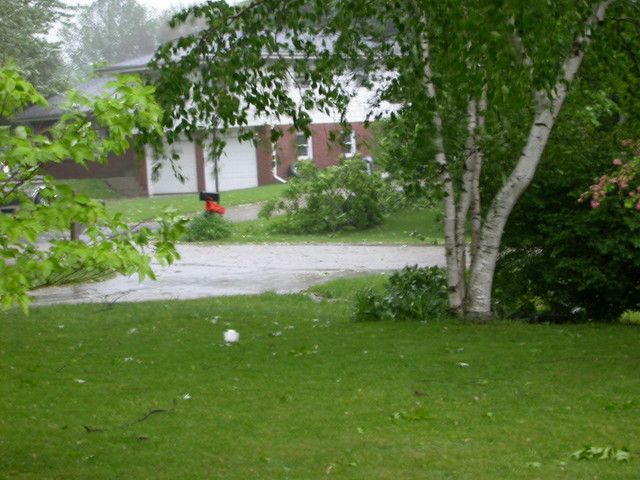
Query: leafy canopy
(246,58)
(25,25)
(483,82)
(35,248)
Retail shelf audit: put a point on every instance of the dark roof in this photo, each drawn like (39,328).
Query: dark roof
(94,87)
(133,65)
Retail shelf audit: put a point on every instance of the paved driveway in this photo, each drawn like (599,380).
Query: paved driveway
(219,270)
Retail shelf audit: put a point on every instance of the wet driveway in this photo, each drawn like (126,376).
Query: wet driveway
(220,270)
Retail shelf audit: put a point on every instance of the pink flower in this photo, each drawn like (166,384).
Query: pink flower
(596,204)
(617,162)
(638,206)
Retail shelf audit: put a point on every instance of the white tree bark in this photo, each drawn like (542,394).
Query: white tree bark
(476,210)
(547,107)
(454,254)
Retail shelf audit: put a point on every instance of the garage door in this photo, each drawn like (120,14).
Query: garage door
(237,166)
(167,182)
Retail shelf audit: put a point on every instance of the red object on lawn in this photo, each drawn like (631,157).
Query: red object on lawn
(214,207)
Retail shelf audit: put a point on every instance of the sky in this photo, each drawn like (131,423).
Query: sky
(159,5)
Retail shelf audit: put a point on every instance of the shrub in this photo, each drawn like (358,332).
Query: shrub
(563,258)
(328,200)
(630,317)
(414,293)
(573,264)
(208,226)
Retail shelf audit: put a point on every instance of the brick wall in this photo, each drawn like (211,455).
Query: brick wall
(325,150)
(126,165)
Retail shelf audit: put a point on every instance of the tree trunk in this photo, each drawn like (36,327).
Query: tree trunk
(453,251)
(478,302)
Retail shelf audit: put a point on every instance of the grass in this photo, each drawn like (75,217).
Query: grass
(93,187)
(406,226)
(141,209)
(308,394)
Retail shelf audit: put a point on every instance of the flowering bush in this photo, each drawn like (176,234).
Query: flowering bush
(563,259)
(624,182)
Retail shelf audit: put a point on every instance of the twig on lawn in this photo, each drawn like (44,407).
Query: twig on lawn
(140,420)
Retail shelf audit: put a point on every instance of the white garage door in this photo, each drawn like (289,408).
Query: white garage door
(237,166)
(167,182)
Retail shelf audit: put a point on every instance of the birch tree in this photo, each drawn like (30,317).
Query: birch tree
(483,81)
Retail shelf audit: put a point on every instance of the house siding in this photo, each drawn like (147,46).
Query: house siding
(264,156)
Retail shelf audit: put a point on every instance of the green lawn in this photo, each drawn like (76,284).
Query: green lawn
(406,226)
(308,394)
(140,209)
(93,187)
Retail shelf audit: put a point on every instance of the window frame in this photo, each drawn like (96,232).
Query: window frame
(349,145)
(308,145)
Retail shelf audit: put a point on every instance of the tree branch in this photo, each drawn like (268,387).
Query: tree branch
(140,420)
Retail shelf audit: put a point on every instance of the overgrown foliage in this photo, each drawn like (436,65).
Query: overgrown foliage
(561,257)
(630,317)
(35,244)
(332,199)
(207,226)
(414,293)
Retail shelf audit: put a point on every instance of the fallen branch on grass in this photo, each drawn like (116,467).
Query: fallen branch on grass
(140,420)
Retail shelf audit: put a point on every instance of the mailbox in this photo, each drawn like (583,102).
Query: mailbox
(209,196)
(211,206)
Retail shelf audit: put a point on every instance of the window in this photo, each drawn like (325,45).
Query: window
(349,143)
(303,145)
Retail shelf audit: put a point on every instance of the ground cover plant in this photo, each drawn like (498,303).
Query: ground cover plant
(151,390)
(413,293)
